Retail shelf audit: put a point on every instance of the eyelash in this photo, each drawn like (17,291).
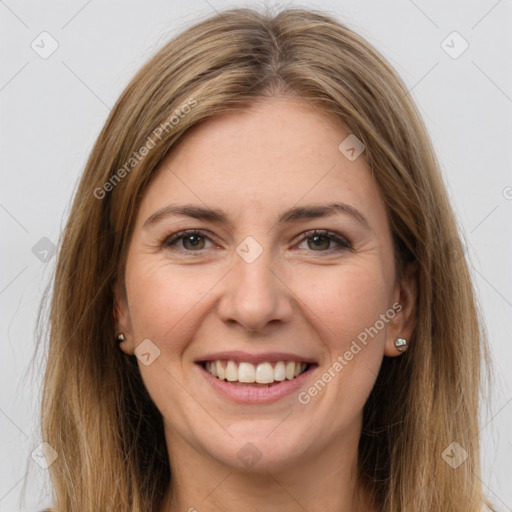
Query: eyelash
(343,243)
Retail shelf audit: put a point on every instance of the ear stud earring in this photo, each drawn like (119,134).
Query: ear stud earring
(401,344)
(120,337)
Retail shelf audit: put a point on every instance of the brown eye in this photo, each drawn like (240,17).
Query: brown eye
(324,241)
(192,242)
(188,241)
(319,242)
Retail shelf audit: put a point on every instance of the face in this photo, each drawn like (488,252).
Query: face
(262,254)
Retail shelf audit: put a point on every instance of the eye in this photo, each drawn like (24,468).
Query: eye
(194,240)
(323,240)
(191,240)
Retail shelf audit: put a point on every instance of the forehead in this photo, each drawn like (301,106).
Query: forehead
(278,153)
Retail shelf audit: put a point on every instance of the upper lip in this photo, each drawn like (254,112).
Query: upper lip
(241,356)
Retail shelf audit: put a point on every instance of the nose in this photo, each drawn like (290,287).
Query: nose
(255,296)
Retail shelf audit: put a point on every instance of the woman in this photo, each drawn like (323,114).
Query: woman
(259,300)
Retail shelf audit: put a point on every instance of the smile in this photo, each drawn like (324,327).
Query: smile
(264,374)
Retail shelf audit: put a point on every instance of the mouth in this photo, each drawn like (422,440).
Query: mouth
(264,374)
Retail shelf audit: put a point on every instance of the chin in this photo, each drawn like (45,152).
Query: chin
(256,450)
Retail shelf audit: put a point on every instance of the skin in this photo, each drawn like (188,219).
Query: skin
(297,296)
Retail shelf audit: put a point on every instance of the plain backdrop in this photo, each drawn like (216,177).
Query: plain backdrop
(53,107)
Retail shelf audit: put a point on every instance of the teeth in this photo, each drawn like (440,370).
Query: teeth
(231,371)
(280,371)
(221,374)
(248,373)
(290,370)
(264,373)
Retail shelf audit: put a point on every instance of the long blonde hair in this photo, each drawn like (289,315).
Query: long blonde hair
(96,412)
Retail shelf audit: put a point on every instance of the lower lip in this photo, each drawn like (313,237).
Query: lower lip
(256,394)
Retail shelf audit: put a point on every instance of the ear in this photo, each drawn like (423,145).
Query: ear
(123,320)
(402,324)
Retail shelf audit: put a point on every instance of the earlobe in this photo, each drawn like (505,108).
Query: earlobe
(122,320)
(402,325)
(124,344)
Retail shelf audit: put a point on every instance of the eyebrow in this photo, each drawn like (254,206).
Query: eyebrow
(292,215)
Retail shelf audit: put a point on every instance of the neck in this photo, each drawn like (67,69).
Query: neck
(327,481)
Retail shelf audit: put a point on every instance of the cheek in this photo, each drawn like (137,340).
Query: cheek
(164,307)
(348,306)
(346,301)
(163,300)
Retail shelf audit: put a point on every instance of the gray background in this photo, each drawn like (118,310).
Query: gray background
(53,108)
